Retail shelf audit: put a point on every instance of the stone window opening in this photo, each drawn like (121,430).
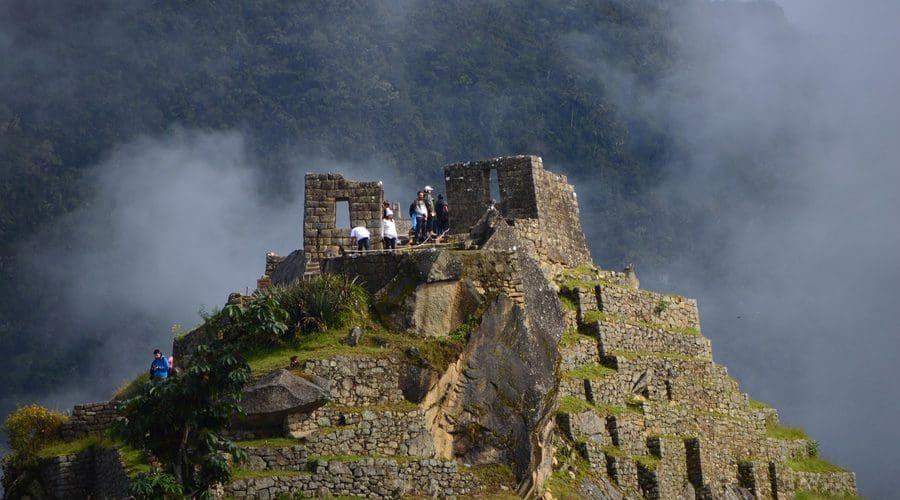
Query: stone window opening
(342,214)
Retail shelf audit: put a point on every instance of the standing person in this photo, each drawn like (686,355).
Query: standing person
(385,208)
(421,217)
(361,235)
(389,230)
(429,205)
(443,215)
(412,218)
(159,368)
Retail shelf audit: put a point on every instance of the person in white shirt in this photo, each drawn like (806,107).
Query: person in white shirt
(389,230)
(421,217)
(361,235)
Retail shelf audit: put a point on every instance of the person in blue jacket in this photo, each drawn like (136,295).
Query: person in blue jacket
(159,369)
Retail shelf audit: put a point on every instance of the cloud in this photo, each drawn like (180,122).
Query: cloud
(176,223)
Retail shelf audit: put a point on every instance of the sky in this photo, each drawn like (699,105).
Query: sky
(798,295)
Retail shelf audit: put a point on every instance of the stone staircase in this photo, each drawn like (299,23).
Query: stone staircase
(645,404)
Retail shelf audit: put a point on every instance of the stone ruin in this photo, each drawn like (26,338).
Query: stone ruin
(565,367)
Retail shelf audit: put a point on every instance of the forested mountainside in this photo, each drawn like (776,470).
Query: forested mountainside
(412,86)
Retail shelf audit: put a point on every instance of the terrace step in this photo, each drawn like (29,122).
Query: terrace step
(619,334)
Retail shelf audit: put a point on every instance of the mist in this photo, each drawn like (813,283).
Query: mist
(176,223)
(788,172)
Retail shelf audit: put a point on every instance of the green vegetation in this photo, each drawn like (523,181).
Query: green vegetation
(239,473)
(590,371)
(130,388)
(28,430)
(326,302)
(572,404)
(179,420)
(572,337)
(268,443)
(567,303)
(784,433)
(648,461)
(155,484)
(813,464)
(493,475)
(758,405)
(72,447)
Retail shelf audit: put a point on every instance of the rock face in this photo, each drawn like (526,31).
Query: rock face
(279,394)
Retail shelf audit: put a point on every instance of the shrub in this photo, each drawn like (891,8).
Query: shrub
(29,429)
(326,301)
(155,484)
(262,321)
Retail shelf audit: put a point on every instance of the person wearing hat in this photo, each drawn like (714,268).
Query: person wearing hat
(388,230)
(429,205)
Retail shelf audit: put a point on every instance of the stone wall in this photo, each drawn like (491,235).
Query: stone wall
(648,307)
(364,477)
(276,458)
(541,206)
(96,472)
(90,418)
(321,236)
(359,381)
(367,432)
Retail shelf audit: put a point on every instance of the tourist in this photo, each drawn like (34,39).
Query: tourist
(389,231)
(429,206)
(361,236)
(443,215)
(159,368)
(385,208)
(421,212)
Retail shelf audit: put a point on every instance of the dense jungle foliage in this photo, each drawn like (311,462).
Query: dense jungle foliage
(412,84)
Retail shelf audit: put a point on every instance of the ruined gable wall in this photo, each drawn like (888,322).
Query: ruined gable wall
(563,239)
(321,236)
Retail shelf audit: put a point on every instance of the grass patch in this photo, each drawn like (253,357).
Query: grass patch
(611,318)
(72,447)
(614,451)
(813,464)
(821,495)
(494,475)
(572,404)
(572,337)
(130,388)
(590,371)
(784,433)
(237,473)
(567,303)
(268,443)
(318,345)
(649,462)
(758,405)
(135,461)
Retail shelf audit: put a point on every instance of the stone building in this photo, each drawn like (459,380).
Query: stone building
(321,236)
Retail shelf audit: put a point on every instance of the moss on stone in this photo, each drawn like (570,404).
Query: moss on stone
(650,354)
(813,464)
(492,476)
(758,405)
(590,371)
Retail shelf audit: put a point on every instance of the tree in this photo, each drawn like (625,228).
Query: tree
(179,420)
